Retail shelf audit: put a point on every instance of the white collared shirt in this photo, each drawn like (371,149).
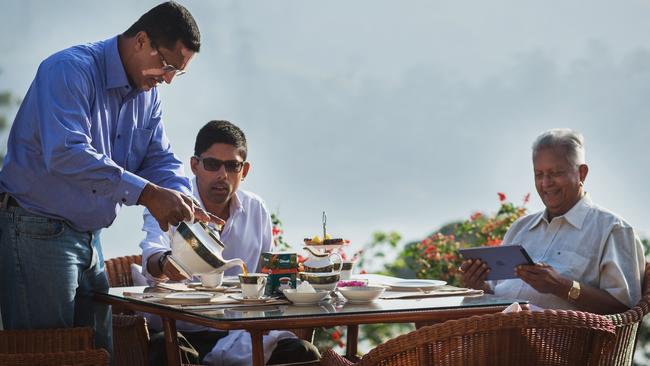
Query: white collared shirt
(246,235)
(588,244)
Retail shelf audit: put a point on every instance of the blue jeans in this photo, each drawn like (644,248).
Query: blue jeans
(48,273)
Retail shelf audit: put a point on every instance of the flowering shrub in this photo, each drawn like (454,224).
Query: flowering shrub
(277,231)
(436,256)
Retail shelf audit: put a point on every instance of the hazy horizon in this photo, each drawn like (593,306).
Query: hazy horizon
(387,115)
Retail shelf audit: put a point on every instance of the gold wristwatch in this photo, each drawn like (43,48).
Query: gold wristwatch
(574,291)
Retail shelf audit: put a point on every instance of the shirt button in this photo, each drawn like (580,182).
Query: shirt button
(118,136)
(124,200)
(94,191)
(126,192)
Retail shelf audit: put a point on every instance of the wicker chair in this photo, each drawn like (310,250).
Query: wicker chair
(627,327)
(130,334)
(61,346)
(93,357)
(119,270)
(46,340)
(524,338)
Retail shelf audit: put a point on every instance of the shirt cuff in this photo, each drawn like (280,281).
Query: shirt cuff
(145,263)
(129,189)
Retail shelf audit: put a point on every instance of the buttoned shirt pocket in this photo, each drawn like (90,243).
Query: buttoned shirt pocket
(139,146)
(38,227)
(569,263)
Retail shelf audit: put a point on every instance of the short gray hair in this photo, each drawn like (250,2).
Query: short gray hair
(571,141)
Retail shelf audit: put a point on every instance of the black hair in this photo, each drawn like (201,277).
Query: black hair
(223,132)
(167,23)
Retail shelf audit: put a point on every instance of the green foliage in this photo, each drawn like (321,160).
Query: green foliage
(5,98)
(6,102)
(277,231)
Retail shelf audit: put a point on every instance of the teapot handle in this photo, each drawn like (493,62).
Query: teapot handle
(340,260)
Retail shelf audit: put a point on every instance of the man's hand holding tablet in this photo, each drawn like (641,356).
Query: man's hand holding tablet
(492,263)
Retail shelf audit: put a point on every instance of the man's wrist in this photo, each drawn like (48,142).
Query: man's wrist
(161,261)
(144,195)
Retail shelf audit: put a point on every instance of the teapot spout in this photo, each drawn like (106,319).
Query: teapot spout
(233,263)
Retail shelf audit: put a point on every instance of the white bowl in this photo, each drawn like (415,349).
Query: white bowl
(325,287)
(357,294)
(305,298)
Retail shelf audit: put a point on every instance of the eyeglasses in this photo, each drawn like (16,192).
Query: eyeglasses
(213,165)
(168,68)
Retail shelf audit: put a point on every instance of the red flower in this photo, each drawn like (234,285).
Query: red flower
(475,216)
(276,231)
(336,335)
(502,196)
(493,241)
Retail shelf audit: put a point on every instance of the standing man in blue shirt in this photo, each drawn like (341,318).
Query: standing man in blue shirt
(87,139)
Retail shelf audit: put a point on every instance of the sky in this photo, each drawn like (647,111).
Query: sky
(388,115)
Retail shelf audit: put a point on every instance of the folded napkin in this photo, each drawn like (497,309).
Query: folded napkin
(512,308)
(236,349)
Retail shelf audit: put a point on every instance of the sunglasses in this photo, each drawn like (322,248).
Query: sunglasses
(213,165)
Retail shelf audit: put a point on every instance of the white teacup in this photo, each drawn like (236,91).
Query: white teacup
(346,270)
(211,279)
(252,285)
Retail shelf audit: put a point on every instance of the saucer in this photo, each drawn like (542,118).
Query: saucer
(198,286)
(410,285)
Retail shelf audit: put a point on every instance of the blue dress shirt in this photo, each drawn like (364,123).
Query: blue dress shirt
(84,142)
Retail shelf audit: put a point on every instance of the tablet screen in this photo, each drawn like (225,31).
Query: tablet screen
(501,260)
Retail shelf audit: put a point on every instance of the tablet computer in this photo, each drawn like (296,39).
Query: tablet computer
(501,260)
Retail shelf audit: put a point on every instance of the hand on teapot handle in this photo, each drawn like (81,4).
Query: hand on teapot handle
(171,272)
(202,215)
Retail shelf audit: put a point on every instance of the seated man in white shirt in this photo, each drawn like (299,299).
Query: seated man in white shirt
(219,165)
(587,258)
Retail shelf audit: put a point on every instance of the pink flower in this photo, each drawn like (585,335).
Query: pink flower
(526,198)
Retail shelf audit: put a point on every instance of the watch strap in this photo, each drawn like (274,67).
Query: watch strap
(161,260)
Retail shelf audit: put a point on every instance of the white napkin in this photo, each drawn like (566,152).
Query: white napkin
(512,308)
(235,349)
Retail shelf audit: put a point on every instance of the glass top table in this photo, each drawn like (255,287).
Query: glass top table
(257,319)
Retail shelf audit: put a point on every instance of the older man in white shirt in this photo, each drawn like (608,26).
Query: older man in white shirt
(587,258)
(219,165)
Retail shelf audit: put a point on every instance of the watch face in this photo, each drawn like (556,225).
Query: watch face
(574,292)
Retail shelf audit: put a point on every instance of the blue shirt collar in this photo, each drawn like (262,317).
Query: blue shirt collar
(115,73)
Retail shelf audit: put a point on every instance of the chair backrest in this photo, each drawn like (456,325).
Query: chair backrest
(118,270)
(627,327)
(523,338)
(46,340)
(130,340)
(91,357)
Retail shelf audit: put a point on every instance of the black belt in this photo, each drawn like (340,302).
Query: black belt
(11,202)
